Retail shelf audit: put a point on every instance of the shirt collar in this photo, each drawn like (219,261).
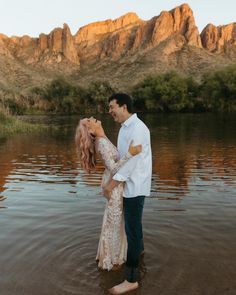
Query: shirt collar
(129,120)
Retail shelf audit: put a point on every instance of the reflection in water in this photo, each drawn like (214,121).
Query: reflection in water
(2,198)
(53,211)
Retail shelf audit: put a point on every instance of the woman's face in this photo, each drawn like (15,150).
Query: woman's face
(93,125)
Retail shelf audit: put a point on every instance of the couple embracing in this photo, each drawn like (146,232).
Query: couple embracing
(126,181)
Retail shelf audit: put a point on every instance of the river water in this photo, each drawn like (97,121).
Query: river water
(51,216)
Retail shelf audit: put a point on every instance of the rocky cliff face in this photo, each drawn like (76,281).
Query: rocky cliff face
(4,51)
(95,31)
(168,41)
(178,21)
(176,28)
(128,34)
(109,39)
(60,43)
(219,39)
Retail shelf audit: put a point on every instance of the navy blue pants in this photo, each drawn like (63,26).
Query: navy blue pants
(133,211)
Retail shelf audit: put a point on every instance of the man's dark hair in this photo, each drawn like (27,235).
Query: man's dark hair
(122,99)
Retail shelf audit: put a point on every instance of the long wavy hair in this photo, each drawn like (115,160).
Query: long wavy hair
(85,144)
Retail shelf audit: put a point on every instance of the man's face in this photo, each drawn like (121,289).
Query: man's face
(117,112)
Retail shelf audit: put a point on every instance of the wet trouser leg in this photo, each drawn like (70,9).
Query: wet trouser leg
(133,211)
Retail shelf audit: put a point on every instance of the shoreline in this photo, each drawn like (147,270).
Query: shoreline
(11,125)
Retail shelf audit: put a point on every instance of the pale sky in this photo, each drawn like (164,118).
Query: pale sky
(32,17)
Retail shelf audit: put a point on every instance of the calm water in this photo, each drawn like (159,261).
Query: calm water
(51,217)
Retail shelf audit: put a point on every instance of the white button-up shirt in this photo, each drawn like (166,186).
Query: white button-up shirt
(137,171)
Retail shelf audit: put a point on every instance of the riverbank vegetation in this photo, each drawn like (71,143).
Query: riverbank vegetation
(169,92)
(10,125)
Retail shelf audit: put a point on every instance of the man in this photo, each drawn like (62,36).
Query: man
(136,174)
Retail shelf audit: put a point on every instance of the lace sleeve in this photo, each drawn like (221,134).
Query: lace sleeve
(105,152)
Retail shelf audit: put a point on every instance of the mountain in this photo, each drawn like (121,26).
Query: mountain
(122,51)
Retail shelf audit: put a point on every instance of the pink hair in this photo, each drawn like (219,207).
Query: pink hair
(85,146)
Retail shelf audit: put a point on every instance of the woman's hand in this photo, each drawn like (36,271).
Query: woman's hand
(135,149)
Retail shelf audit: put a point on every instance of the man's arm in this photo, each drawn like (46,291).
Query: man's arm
(124,172)
(107,189)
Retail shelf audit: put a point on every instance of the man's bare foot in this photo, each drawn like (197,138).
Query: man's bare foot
(123,287)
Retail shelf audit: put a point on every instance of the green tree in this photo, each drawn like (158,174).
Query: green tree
(218,90)
(98,93)
(169,93)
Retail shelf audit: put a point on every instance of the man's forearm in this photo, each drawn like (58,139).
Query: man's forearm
(107,189)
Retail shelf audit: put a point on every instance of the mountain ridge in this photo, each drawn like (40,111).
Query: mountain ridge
(121,51)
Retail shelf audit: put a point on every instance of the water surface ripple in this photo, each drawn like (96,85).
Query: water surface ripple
(51,211)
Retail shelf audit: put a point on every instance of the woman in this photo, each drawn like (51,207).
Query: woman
(91,141)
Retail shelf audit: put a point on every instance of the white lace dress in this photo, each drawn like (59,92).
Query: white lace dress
(112,247)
